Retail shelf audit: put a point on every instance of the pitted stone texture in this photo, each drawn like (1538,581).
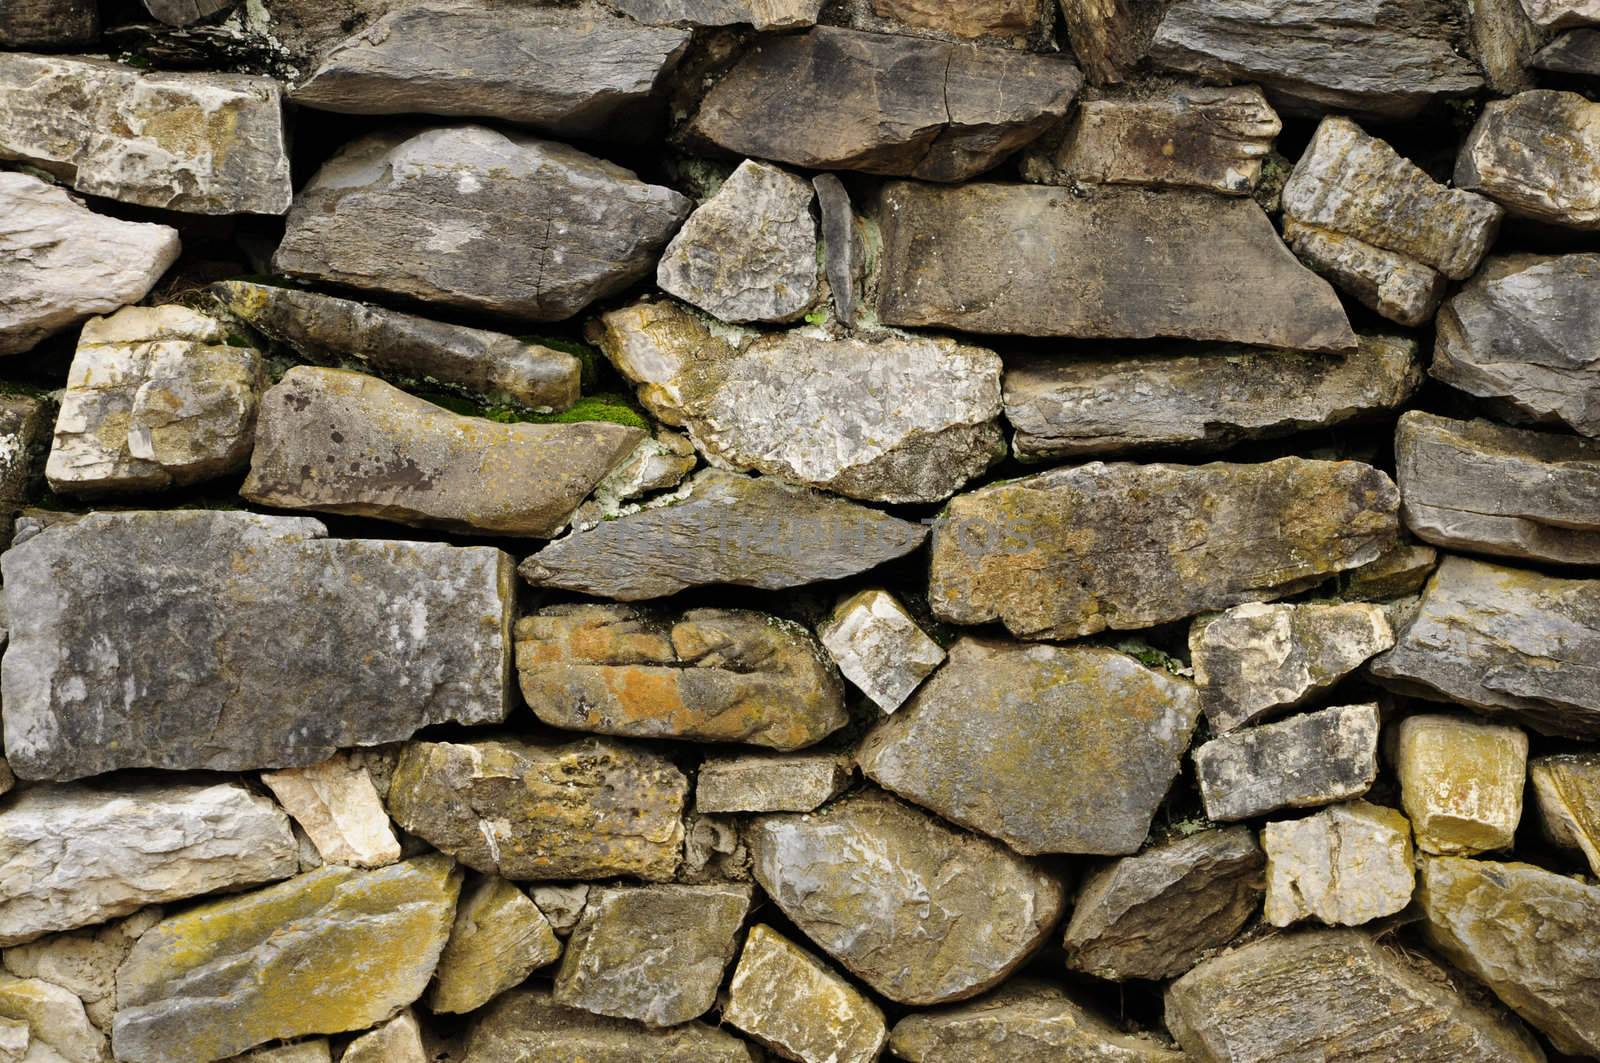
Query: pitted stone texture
(334,441)
(75,856)
(84,962)
(327,952)
(1109,37)
(328,329)
(879,647)
(60,262)
(1461,783)
(397,1041)
(790,1001)
(1032,261)
(155,398)
(1313,759)
(749,253)
(712,675)
(655,954)
(766,782)
(588,809)
(761,14)
(1482,487)
(527,1025)
(229,641)
(721,528)
(48,23)
(53,1021)
(1255,660)
(922,913)
(976,741)
(201,143)
(838,99)
(572,72)
(1506,642)
(425,215)
(1568,789)
(1077,550)
(499,938)
(1334,996)
(1156,914)
(1344,866)
(1529,934)
(1538,155)
(338,807)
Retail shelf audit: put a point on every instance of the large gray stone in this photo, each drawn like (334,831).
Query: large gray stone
(528,1026)
(1538,155)
(230,641)
(1312,759)
(427,215)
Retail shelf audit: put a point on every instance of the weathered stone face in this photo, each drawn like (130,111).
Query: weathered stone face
(499,938)
(48,23)
(976,740)
(1344,866)
(1574,52)
(1312,759)
(589,809)
(332,950)
(60,262)
(202,143)
(879,647)
(1177,267)
(1568,788)
(24,434)
(527,1024)
(791,1002)
(1538,155)
(1077,550)
(838,99)
(84,962)
(764,782)
(1399,571)
(1154,915)
(183,12)
(1461,782)
(761,14)
(405,215)
(52,1024)
(231,641)
(338,807)
(1559,14)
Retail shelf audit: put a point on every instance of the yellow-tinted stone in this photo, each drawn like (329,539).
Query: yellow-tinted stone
(1461,782)
(1568,788)
(499,938)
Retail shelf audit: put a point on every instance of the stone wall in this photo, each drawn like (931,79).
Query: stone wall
(695,531)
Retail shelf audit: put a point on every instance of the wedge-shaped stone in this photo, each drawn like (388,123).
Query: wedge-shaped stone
(572,72)
(1575,52)
(589,809)
(1396,573)
(766,782)
(1334,996)
(54,1028)
(1313,759)
(1255,660)
(1344,866)
(1538,155)
(1568,788)
(1530,935)
(838,99)
(1077,550)
(334,441)
(1479,486)
(1201,401)
(905,903)
(791,1002)
(499,938)
(722,528)
(427,215)
(1382,59)
(527,1025)
(1461,782)
(879,647)
(338,807)
(1506,642)
(1154,915)
(332,950)
(975,741)
(202,143)
(1185,264)
(76,856)
(229,641)
(328,329)
(714,675)
(1109,37)
(60,262)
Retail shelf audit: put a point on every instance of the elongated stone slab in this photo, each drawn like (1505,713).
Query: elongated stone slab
(527,1024)
(48,23)
(768,782)
(229,641)
(1078,550)
(1538,155)
(1186,264)
(1574,52)
(1312,759)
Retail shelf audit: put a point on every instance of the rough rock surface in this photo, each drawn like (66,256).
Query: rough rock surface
(84,962)
(879,647)
(1313,759)
(335,441)
(1077,550)
(838,99)
(571,72)
(405,215)
(721,528)
(202,143)
(156,397)
(588,809)
(527,1024)
(1560,14)
(338,807)
(1528,934)
(765,782)
(183,12)
(232,641)
(492,365)
(1398,572)
(1538,155)
(791,1002)
(1154,915)
(975,741)
(1344,866)
(1020,259)
(1568,788)
(499,938)
(1461,782)
(54,1026)
(397,1041)
(24,434)
(1575,52)
(714,675)
(48,23)
(1506,642)
(761,14)
(922,913)
(1200,401)
(1255,660)
(1110,37)
(1333,996)
(60,262)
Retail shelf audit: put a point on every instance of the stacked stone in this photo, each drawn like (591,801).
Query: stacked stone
(954,538)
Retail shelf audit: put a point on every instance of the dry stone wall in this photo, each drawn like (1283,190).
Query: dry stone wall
(715,531)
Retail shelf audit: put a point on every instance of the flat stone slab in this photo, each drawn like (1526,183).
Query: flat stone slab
(229,641)
(529,1024)
(1461,782)
(770,782)
(499,938)
(879,647)
(1344,866)
(1186,264)
(790,1001)
(1312,759)
(1538,155)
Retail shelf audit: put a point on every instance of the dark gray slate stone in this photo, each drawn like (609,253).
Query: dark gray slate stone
(843,247)
(1305,761)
